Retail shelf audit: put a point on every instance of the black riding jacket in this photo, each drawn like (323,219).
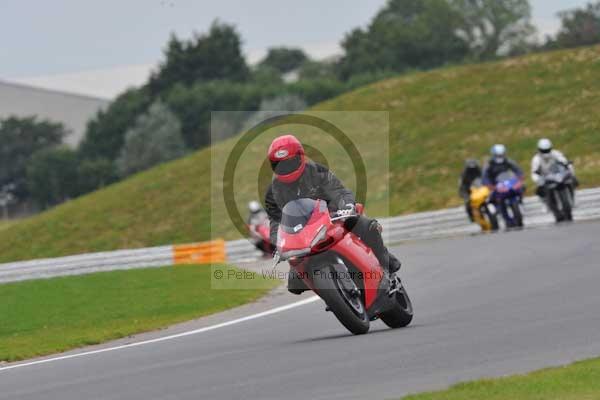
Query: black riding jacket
(316,182)
(468,176)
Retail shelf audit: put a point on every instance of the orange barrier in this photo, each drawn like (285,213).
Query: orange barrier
(199,253)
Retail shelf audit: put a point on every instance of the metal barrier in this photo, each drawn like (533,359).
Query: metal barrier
(199,253)
(195,253)
(426,225)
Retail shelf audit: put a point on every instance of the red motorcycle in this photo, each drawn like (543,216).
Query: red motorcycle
(339,267)
(260,236)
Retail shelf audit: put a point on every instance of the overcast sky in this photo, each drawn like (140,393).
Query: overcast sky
(40,39)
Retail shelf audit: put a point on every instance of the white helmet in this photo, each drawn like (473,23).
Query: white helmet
(254,206)
(544,146)
(498,152)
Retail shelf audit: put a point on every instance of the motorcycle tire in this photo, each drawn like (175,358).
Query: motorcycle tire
(493,219)
(350,312)
(517,215)
(402,313)
(553,203)
(567,211)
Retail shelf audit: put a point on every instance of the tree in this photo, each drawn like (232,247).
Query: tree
(266,75)
(492,27)
(105,133)
(21,138)
(194,105)
(317,70)
(405,34)
(273,107)
(52,176)
(155,138)
(213,56)
(579,27)
(284,59)
(95,174)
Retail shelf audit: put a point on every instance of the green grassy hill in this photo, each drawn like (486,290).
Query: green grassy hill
(437,119)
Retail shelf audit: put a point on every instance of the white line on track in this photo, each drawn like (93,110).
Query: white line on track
(170,337)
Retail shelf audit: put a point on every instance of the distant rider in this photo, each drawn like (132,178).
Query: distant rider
(541,163)
(499,164)
(256,213)
(295,177)
(470,174)
(256,219)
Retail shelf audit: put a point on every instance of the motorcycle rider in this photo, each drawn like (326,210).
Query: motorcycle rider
(498,164)
(257,217)
(295,177)
(470,174)
(256,213)
(541,163)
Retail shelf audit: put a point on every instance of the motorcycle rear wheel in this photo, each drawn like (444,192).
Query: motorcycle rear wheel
(349,311)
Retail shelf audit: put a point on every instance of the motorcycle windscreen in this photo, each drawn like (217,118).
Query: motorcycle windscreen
(297,213)
(557,168)
(506,176)
(477,183)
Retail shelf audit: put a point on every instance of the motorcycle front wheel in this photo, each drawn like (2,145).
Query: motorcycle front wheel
(554,201)
(492,217)
(402,313)
(346,306)
(517,215)
(565,199)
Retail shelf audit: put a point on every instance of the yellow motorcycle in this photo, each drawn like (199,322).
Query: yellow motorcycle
(484,213)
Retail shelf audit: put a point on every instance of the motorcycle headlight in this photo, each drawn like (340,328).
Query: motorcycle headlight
(294,253)
(319,236)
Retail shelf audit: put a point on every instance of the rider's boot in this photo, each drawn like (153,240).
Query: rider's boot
(387,260)
(393,264)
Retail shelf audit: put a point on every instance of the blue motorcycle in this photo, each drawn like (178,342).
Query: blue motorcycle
(508,197)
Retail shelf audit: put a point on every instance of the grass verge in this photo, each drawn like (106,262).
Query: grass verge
(580,381)
(52,315)
(5,224)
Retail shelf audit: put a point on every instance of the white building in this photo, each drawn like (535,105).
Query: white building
(73,110)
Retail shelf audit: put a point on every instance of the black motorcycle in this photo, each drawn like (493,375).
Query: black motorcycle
(560,194)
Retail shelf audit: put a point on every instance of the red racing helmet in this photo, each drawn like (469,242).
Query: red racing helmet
(286,155)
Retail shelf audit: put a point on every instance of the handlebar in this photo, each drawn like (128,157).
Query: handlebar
(341,217)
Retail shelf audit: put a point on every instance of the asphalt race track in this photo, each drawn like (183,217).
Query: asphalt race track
(484,306)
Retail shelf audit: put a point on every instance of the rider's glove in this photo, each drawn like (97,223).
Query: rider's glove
(348,210)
